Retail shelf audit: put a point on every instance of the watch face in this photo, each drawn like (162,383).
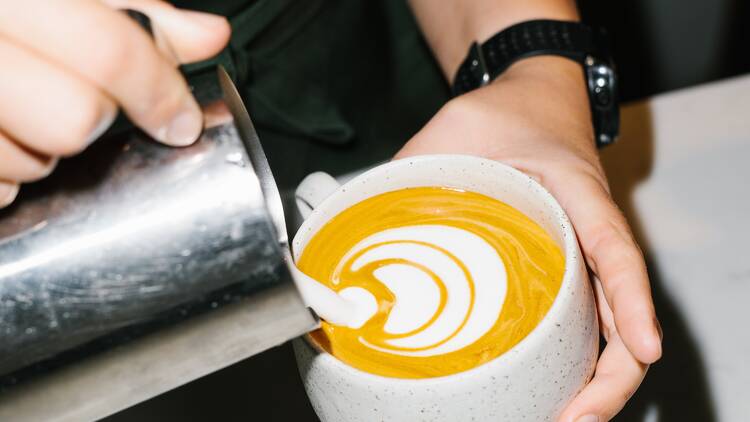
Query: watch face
(602,85)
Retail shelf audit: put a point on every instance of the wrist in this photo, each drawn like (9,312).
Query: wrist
(550,77)
(476,20)
(481,22)
(555,72)
(586,46)
(552,91)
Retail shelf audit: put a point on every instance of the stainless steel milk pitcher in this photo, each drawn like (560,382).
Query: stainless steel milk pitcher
(137,267)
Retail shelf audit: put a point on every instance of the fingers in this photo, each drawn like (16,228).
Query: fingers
(21,165)
(618,375)
(615,258)
(105,48)
(8,192)
(47,109)
(193,36)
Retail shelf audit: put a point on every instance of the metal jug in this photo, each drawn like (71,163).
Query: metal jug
(137,267)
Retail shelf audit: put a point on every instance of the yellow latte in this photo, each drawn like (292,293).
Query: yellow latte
(459,278)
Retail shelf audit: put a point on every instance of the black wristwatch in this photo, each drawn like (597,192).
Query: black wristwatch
(573,40)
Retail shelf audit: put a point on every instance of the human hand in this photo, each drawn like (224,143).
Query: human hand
(69,65)
(535,117)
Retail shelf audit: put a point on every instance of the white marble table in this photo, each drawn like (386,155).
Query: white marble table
(681,173)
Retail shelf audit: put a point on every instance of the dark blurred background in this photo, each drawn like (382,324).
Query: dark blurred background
(660,45)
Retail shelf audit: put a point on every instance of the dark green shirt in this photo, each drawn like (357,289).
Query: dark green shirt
(331,85)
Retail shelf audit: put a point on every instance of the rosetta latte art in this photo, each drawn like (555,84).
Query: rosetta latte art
(459,279)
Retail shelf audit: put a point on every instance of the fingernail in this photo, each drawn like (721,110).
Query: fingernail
(658,329)
(8,193)
(657,337)
(48,167)
(588,418)
(105,122)
(185,127)
(206,20)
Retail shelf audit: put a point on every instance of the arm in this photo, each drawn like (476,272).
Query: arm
(451,26)
(536,117)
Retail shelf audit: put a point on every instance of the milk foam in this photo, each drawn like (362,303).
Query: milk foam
(458,258)
(351,307)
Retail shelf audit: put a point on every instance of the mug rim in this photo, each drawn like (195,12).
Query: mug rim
(570,249)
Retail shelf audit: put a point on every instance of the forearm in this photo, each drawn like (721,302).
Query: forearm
(450,26)
(535,117)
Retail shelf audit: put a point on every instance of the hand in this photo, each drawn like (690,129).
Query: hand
(68,65)
(536,118)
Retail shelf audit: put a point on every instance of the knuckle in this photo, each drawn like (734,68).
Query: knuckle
(115,50)
(167,104)
(600,237)
(76,129)
(609,248)
(162,105)
(609,234)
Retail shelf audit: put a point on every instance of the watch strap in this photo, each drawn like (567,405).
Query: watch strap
(573,40)
(485,62)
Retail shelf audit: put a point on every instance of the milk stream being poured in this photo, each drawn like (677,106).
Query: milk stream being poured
(351,307)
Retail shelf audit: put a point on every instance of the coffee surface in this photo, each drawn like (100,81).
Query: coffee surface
(459,278)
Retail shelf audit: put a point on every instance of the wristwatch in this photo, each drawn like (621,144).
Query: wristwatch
(574,40)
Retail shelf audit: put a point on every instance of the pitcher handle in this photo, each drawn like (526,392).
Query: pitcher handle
(315,188)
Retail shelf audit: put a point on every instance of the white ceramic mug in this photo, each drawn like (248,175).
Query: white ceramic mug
(533,381)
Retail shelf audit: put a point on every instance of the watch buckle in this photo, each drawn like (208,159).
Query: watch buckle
(479,64)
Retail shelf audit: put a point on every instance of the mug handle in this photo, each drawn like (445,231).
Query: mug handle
(315,188)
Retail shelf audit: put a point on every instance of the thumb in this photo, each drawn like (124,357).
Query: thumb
(184,35)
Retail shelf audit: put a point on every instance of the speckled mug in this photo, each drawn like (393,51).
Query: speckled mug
(533,381)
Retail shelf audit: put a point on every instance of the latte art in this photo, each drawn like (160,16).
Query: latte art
(459,278)
(455,287)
